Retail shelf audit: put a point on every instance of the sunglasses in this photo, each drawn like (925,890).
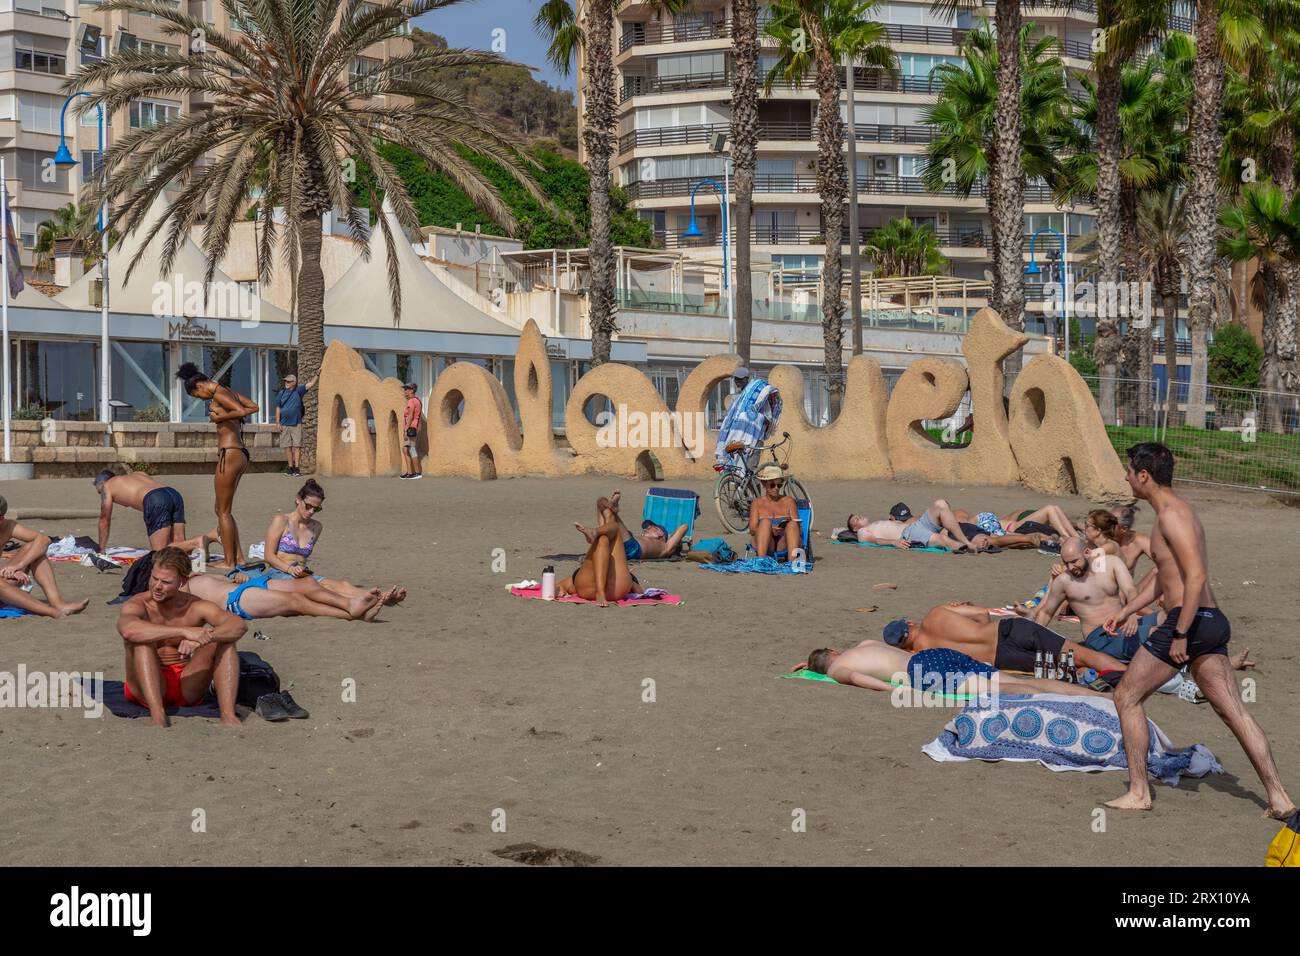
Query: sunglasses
(314,509)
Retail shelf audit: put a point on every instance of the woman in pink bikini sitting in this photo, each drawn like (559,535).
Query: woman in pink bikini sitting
(291,538)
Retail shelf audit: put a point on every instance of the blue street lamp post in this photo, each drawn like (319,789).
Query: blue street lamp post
(1033,270)
(693,231)
(64,159)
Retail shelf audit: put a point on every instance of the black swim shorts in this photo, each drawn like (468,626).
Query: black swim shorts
(1019,639)
(1209,634)
(163,507)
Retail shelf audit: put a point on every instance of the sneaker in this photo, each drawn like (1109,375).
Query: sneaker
(404,475)
(415,476)
(291,707)
(1050,547)
(1189,692)
(270,707)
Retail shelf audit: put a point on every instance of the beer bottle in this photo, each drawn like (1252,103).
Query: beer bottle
(1050,666)
(1038,665)
(1071,672)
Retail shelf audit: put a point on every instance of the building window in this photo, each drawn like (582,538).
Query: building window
(360,71)
(146,113)
(36,61)
(36,170)
(39,112)
(90,162)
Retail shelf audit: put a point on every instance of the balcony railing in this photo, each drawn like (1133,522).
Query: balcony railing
(644,34)
(812,235)
(644,85)
(867,185)
(769,132)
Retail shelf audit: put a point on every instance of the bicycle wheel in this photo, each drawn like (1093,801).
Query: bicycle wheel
(796,491)
(732,502)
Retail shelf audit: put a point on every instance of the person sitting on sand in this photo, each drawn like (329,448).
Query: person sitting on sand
(162,506)
(262,596)
(1132,545)
(177,644)
(936,527)
(878,666)
(603,576)
(27,566)
(653,543)
(774,517)
(1097,585)
(1008,643)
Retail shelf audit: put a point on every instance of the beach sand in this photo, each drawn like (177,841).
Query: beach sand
(474,707)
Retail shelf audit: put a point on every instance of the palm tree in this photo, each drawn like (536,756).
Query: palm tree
(1162,253)
(1222,26)
(1151,109)
(744,159)
(814,37)
(902,248)
(66,224)
(285,117)
(963,122)
(592,30)
(1264,225)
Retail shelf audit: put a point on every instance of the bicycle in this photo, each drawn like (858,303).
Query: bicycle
(737,486)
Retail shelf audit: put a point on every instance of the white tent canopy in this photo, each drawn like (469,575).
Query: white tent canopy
(362,294)
(180,293)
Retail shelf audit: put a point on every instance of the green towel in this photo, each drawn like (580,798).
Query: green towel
(872,544)
(806,674)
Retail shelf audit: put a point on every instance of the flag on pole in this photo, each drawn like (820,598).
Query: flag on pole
(13,260)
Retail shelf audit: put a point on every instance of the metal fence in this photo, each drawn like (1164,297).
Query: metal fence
(1251,437)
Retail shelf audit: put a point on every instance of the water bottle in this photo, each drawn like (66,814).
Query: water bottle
(548,583)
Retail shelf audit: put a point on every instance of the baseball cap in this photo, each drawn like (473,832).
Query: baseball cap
(896,632)
(740,372)
(900,512)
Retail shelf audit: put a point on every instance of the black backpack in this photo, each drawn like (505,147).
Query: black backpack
(256,677)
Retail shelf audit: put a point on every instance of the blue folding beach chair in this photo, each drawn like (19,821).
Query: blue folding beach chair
(670,507)
(804,508)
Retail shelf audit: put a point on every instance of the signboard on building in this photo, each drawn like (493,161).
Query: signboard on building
(190,329)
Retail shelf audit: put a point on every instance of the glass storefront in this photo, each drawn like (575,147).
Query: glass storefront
(232,366)
(53,379)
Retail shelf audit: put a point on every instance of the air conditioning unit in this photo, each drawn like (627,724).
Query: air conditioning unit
(884,165)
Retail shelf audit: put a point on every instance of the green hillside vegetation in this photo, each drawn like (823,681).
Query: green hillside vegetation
(564,181)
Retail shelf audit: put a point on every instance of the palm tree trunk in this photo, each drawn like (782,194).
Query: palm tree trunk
(1136,398)
(1270,370)
(1205,138)
(1008,213)
(995,290)
(744,158)
(1282,169)
(311,331)
(598,138)
(1169,305)
(832,186)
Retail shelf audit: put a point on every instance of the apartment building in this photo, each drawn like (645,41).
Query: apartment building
(674,83)
(42,43)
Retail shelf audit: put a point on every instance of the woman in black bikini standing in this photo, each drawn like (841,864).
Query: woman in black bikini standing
(227,409)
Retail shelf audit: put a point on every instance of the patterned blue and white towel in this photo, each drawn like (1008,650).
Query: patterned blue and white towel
(760,566)
(1061,733)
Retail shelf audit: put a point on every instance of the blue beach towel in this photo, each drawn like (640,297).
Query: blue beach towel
(758,566)
(13,612)
(1061,733)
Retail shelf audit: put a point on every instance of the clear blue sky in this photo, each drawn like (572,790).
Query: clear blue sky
(470,24)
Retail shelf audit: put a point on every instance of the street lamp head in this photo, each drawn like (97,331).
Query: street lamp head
(693,230)
(63,157)
(1032,269)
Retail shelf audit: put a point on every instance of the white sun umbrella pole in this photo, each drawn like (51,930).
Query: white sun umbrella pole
(4,305)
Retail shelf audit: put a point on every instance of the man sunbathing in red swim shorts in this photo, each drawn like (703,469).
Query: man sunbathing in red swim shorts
(176,644)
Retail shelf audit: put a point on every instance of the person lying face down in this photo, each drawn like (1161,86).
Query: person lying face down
(1008,643)
(651,543)
(936,527)
(879,666)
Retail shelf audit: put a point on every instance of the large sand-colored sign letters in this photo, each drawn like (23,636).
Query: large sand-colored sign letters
(1048,436)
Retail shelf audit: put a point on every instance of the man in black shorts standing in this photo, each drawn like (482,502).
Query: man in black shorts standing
(1194,630)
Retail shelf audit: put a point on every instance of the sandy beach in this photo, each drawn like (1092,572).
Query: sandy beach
(470,702)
